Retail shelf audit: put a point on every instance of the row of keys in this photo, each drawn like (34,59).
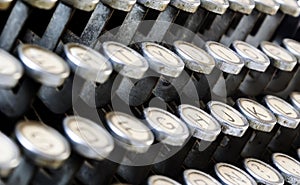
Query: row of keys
(47,148)
(269,7)
(160,59)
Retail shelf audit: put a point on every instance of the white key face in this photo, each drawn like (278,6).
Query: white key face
(166,123)
(256,110)
(224,53)
(294,45)
(124,55)
(47,61)
(89,59)
(278,52)
(130,127)
(226,113)
(250,52)
(199,119)
(289,165)
(283,108)
(194,53)
(163,55)
(42,140)
(161,180)
(9,152)
(269,3)
(88,134)
(233,176)
(195,178)
(263,171)
(7,67)
(220,1)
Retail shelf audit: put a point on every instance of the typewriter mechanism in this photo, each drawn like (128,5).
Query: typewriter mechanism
(150,92)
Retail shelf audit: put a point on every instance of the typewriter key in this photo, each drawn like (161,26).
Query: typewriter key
(92,71)
(87,63)
(171,133)
(229,174)
(195,177)
(293,47)
(282,62)
(154,4)
(199,65)
(289,7)
(216,6)
(133,139)
(44,148)
(190,6)
(159,180)
(233,125)
(204,130)
(131,67)
(11,70)
(257,63)
(229,65)
(43,66)
(268,7)
(166,67)
(42,4)
(262,172)
(288,167)
(244,7)
(123,5)
(51,75)
(4,4)
(261,121)
(288,118)
(10,156)
(86,5)
(93,144)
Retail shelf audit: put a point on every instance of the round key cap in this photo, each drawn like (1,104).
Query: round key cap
(42,4)
(262,172)
(259,117)
(292,46)
(44,66)
(242,6)
(215,6)
(226,59)
(289,7)
(254,59)
(186,5)
(125,60)
(86,5)
(87,63)
(88,138)
(10,155)
(42,144)
(124,5)
(285,113)
(131,133)
(11,70)
(232,122)
(288,167)
(162,60)
(201,124)
(280,58)
(195,58)
(295,100)
(195,177)
(4,4)
(229,174)
(267,6)
(167,127)
(154,4)
(160,180)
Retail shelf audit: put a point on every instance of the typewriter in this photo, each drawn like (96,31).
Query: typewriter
(156,92)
